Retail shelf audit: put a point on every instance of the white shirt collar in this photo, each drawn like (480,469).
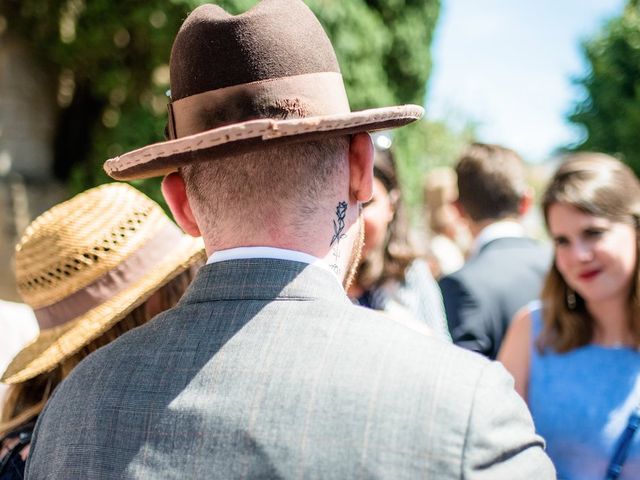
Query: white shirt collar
(269,252)
(494,231)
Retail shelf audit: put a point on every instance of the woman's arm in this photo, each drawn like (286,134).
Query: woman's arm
(515,352)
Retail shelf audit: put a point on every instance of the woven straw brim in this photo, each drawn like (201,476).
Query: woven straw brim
(54,345)
(165,157)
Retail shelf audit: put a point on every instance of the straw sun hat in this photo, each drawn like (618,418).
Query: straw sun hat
(86,263)
(269,75)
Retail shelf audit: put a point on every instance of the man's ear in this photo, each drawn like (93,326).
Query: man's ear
(174,192)
(525,202)
(361,167)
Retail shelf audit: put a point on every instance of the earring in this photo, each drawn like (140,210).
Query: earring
(571,299)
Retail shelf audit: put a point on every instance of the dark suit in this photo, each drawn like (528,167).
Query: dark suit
(266,370)
(482,297)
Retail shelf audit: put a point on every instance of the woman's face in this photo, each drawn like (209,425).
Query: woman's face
(377,214)
(596,257)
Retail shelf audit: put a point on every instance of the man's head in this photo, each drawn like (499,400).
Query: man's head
(291,181)
(491,184)
(262,146)
(301,196)
(284,185)
(242,82)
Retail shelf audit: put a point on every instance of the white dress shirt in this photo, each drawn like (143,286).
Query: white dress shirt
(270,252)
(494,231)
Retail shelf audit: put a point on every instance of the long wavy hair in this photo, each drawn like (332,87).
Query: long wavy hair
(24,401)
(602,186)
(392,260)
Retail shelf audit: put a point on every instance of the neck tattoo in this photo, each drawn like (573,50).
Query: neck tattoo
(338,228)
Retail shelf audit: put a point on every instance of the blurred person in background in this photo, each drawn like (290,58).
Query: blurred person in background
(574,355)
(92,268)
(18,326)
(443,243)
(505,268)
(392,277)
(448,234)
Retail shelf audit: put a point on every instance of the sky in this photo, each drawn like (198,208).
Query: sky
(508,65)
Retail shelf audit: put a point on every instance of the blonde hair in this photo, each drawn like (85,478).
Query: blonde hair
(601,186)
(24,401)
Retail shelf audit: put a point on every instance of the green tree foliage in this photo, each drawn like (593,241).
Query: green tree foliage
(610,112)
(112,56)
(407,61)
(430,144)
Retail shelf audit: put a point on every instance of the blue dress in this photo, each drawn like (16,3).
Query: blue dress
(581,401)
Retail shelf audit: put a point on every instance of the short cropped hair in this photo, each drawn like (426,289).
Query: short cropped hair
(263,182)
(491,182)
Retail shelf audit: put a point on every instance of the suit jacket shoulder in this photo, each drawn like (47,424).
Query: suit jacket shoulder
(481,298)
(238,381)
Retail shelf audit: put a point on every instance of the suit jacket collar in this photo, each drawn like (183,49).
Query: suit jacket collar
(505,242)
(263,279)
(496,230)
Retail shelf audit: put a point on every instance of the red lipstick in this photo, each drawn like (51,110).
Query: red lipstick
(589,274)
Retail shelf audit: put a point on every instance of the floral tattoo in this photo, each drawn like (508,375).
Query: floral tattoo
(338,228)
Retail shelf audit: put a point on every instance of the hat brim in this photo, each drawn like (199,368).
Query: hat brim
(165,157)
(55,345)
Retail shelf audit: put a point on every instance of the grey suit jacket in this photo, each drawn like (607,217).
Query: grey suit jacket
(482,297)
(266,370)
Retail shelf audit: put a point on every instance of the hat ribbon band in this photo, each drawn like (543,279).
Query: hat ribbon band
(116,280)
(298,96)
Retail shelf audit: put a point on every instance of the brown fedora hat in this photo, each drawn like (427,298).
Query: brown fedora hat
(237,82)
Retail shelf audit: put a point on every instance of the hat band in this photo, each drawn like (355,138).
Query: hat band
(298,96)
(121,277)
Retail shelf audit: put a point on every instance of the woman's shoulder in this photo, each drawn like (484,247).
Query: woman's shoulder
(419,273)
(534,311)
(418,267)
(528,317)
(527,326)
(522,323)
(516,349)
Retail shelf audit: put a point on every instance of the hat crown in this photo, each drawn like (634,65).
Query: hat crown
(78,241)
(269,75)
(275,39)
